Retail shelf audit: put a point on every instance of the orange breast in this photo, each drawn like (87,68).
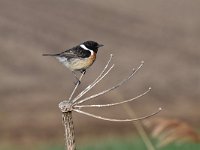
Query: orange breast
(84,63)
(91,59)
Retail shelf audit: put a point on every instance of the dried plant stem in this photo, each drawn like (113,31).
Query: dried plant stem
(140,128)
(99,78)
(117,120)
(75,104)
(134,71)
(93,84)
(113,104)
(69,130)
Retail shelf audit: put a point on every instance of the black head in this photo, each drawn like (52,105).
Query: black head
(92,45)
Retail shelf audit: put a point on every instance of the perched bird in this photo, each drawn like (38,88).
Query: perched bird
(78,58)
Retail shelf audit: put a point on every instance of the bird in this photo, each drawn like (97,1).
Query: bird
(78,58)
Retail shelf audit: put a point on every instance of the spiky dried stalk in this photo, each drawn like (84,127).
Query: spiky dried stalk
(69,130)
(75,104)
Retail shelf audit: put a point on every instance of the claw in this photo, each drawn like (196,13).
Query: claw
(78,82)
(83,71)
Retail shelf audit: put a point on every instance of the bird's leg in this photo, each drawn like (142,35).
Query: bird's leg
(83,71)
(78,81)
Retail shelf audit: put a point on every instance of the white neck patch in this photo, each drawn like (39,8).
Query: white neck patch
(85,48)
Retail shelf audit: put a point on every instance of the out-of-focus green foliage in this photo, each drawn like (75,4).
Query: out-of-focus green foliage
(111,144)
(133,144)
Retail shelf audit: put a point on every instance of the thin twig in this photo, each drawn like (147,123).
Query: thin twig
(117,120)
(99,78)
(81,94)
(114,104)
(77,84)
(114,87)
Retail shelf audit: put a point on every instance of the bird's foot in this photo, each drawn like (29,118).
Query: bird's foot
(83,71)
(78,82)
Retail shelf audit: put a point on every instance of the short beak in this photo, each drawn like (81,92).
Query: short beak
(100,45)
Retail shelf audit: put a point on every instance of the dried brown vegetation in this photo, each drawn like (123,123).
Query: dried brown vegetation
(169,131)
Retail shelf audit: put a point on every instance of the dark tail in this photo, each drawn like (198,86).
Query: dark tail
(50,54)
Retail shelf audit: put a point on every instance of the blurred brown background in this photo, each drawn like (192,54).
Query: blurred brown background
(165,34)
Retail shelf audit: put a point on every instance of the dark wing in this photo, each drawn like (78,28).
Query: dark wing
(75,52)
(68,54)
